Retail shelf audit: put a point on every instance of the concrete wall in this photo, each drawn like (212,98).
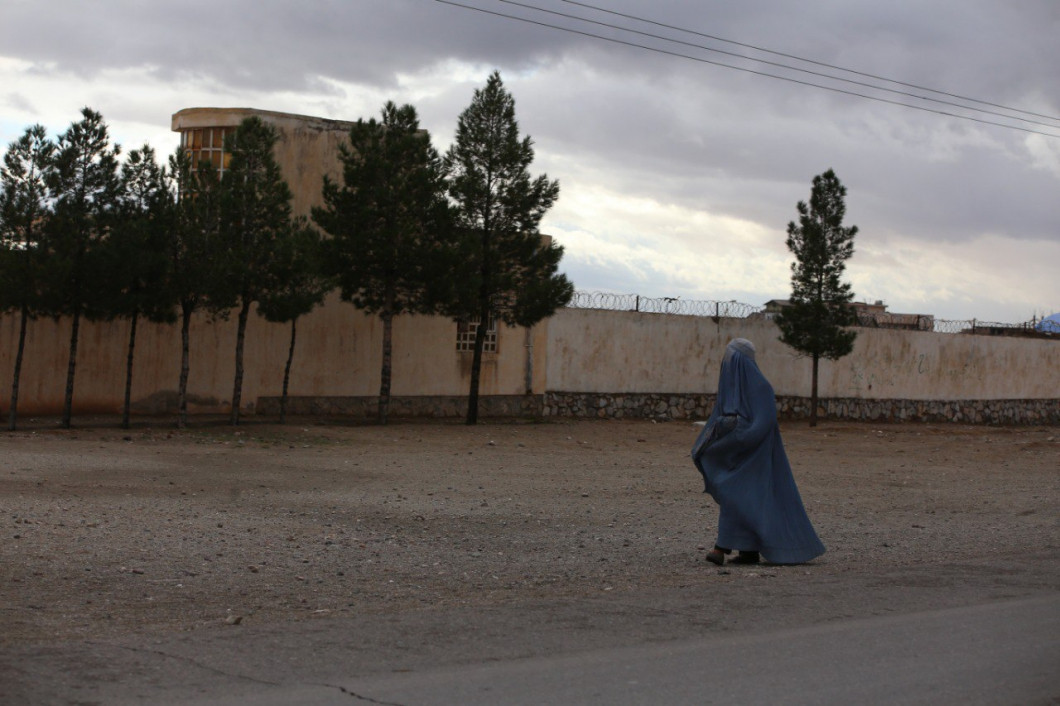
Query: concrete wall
(589,362)
(630,352)
(338,354)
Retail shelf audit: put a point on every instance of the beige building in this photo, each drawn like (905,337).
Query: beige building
(307,148)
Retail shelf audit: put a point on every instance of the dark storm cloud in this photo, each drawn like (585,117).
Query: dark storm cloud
(969,47)
(694,119)
(274,45)
(641,123)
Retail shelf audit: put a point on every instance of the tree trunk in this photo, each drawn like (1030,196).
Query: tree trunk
(483,321)
(287,374)
(241,335)
(528,344)
(182,388)
(385,373)
(476,364)
(129,371)
(13,412)
(813,391)
(68,402)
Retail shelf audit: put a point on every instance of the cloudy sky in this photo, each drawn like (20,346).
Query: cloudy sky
(682,132)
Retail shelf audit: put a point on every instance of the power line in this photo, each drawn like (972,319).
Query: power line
(810,61)
(777,64)
(743,69)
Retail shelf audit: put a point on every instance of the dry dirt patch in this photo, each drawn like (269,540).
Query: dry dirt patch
(108,532)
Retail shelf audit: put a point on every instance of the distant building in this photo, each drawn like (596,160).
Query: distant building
(873,315)
(876,316)
(773,307)
(307,148)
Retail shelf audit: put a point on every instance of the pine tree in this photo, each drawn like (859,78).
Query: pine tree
(256,215)
(134,256)
(507,271)
(820,308)
(194,246)
(24,210)
(388,222)
(300,285)
(85,187)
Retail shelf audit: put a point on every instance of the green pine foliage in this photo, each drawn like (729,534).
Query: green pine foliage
(298,286)
(815,322)
(297,275)
(389,224)
(24,211)
(135,268)
(195,265)
(505,270)
(85,187)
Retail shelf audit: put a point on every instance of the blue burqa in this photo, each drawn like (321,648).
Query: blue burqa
(742,459)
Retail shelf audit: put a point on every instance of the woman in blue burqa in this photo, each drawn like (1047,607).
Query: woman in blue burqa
(742,459)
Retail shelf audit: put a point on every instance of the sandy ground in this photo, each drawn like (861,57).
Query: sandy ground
(157,532)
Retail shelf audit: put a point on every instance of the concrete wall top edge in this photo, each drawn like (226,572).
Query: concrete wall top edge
(214,117)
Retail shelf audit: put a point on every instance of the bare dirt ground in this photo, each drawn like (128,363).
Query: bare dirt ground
(156,532)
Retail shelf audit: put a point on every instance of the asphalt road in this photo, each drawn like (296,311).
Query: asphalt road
(1005,652)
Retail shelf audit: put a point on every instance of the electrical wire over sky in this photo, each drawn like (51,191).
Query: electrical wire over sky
(813,62)
(944,99)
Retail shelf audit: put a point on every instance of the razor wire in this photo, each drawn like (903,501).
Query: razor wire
(991,328)
(610,301)
(662,305)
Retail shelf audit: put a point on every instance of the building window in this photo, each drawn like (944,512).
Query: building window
(465,335)
(207,144)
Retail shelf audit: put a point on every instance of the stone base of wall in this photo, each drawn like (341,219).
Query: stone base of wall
(960,411)
(439,406)
(627,405)
(690,406)
(665,407)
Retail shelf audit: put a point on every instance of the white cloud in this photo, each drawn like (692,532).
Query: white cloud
(677,177)
(990,278)
(665,249)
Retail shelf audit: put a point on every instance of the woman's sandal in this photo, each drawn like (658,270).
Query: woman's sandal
(745,558)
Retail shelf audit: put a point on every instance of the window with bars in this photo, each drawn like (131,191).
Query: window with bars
(207,144)
(465,335)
